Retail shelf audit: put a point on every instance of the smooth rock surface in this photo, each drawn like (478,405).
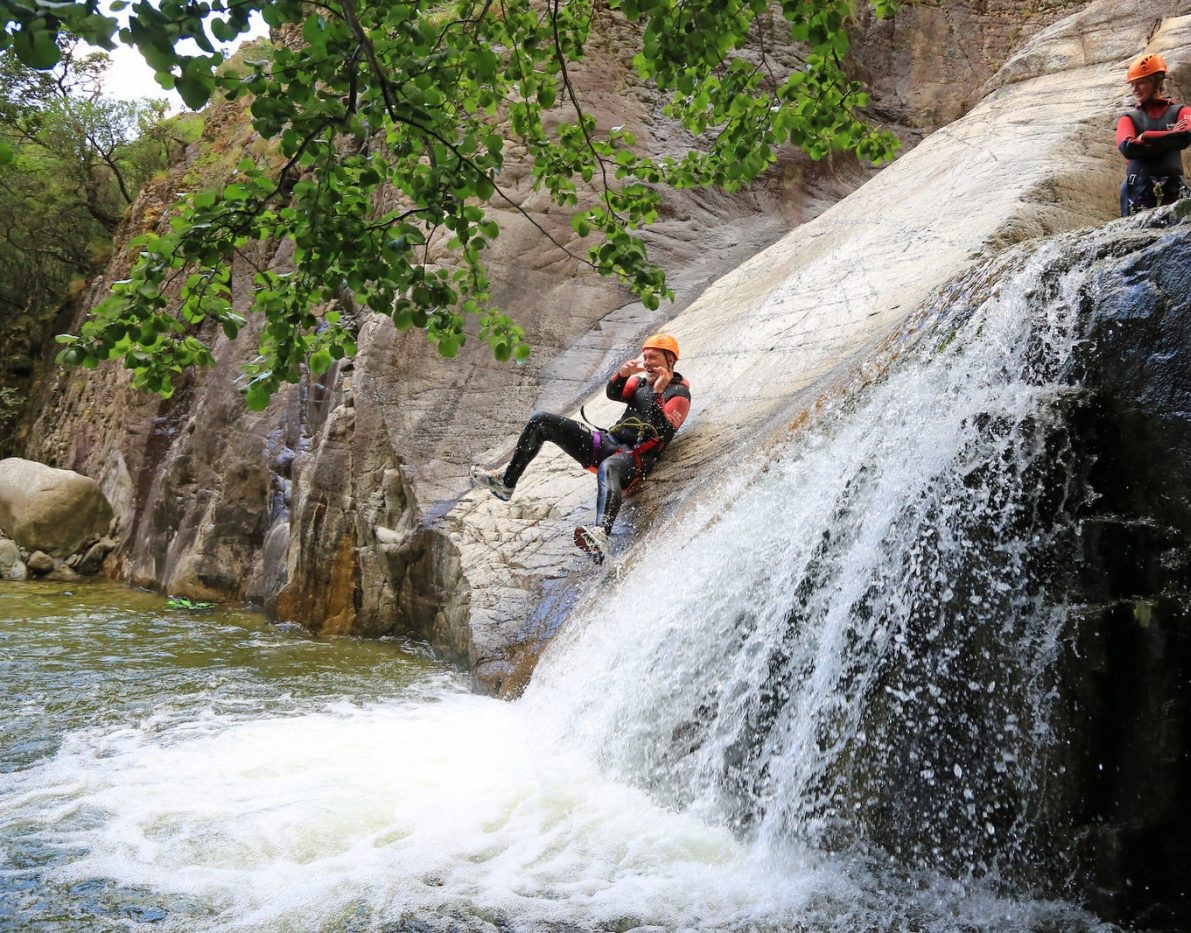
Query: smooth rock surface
(766,342)
(11,565)
(42,508)
(294,506)
(40,562)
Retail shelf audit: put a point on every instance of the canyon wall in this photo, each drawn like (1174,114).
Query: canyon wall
(345,504)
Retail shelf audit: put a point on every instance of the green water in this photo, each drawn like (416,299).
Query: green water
(96,658)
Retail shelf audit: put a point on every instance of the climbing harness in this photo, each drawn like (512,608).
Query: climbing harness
(1147,191)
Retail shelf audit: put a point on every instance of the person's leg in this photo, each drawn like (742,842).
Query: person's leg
(574,439)
(1125,198)
(1140,196)
(615,475)
(1172,189)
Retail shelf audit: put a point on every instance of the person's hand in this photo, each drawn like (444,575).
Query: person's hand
(630,367)
(662,380)
(1183,125)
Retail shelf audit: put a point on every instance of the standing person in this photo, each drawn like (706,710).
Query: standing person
(1152,136)
(657,400)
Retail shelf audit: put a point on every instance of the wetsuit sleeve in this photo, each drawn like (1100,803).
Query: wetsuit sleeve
(621,390)
(677,407)
(1127,139)
(1165,140)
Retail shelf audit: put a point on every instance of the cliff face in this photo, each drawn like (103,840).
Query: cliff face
(345,504)
(1126,670)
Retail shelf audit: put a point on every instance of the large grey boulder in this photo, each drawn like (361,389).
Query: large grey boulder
(45,509)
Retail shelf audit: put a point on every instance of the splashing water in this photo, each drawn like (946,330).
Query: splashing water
(850,646)
(818,713)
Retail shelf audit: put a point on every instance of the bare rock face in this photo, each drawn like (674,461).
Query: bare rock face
(766,343)
(345,504)
(930,63)
(45,509)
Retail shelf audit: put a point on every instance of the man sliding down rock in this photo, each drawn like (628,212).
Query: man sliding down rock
(657,401)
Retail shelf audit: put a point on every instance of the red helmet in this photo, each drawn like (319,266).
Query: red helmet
(661,342)
(1146,66)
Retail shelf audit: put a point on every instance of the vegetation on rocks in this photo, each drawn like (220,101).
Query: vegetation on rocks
(73,163)
(422,101)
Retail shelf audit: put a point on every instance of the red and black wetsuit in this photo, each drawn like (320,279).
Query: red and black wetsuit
(625,453)
(1146,138)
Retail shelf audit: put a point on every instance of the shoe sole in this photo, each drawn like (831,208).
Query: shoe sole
(587,544)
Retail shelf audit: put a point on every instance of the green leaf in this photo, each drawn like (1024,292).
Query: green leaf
(320,361)
(194,91)
(37,46)
(5,154)
(258,395)
(374,168)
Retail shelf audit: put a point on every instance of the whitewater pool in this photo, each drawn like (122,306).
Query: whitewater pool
(206,770)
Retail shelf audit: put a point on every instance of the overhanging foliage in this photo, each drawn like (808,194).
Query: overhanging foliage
(423,99)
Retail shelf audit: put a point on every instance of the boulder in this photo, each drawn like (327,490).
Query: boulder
(51,510)
(11,565)
(39,563)
(91,563)
(62,574)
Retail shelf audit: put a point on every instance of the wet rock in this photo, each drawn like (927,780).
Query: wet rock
(62,574)
(40,563)
(42,508)
(1128,669)
(11,565)
(92,561)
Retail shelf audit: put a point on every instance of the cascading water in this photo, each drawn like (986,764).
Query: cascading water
(854,644)
(814,702)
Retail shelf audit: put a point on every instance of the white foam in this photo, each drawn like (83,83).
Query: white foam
(426,809)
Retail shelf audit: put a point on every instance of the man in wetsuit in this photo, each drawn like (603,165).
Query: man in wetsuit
(1152,136)
(657,400)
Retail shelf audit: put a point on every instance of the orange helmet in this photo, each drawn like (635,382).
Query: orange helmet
(661,342)
(1146,66)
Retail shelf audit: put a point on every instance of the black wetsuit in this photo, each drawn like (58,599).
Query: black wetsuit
(1154,175)
(623,455)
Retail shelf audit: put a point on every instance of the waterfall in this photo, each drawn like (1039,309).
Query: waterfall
(848,644)
(823,699)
